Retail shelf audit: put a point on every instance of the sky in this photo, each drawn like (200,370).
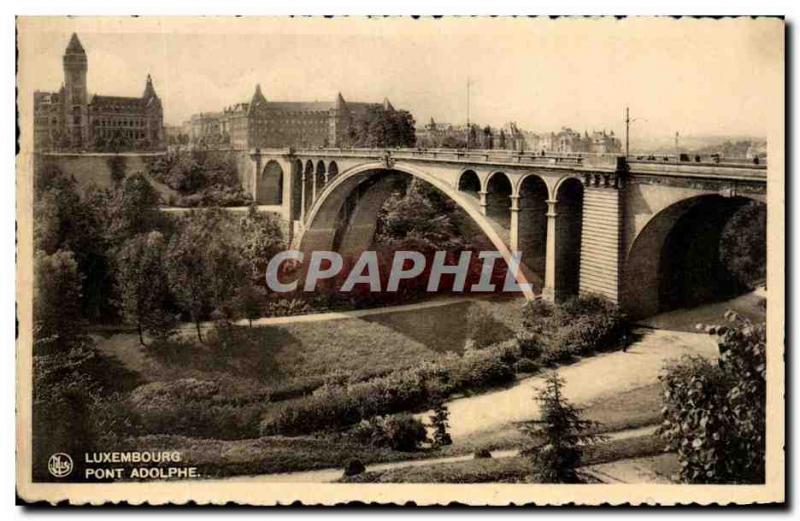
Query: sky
(696,77)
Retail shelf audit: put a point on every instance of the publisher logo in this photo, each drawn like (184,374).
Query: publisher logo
(60,465)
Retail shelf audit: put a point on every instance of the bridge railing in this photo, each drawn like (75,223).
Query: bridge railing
(470,156)
(758,162)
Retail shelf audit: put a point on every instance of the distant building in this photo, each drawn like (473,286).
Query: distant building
(568,141)
(276,124)
(71,119)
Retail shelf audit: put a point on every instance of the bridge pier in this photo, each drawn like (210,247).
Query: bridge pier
(482,197)
(303,197)
(514,231)
(549,290)
(601,241)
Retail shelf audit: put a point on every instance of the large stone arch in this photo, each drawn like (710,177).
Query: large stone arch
(270,184)
(674,261)
(320,232)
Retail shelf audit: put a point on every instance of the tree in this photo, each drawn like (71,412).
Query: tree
(439,420)
(187,273)
(743,244)
(56,297)
(249,303)
(714,415)
(116,166)
(133,209)
(381,128)
(205,264)
(142,284)
(559,438)
(421,213)
(261,238)
(63,219)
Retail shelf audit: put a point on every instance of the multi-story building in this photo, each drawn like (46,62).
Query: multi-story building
(72,119)
(275,124)
(567,140)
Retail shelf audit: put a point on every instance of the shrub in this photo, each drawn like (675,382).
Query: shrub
(287,307)
(335,406)
(370,432)
(404,432)
(577,327)
(484,329)
(526,365)
(400,432)
(354,467)
(559,439)
(439,421)
(488,367)
(195,408)
(482,454)
(714,415)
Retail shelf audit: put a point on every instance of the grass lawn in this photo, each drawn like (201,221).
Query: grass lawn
(301,356)
(269,454)
(515,469)
(628,410)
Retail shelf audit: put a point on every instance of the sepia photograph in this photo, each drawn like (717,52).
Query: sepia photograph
(481,260)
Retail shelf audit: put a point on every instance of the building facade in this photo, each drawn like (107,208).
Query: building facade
(73,120)
(567,141)
(276,124)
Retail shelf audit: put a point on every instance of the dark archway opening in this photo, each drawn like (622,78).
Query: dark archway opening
(498,199)
(297,188)
(569,227)
(532,224)
(470,183)
(308,187)
(697,251)
(319,178)
(333,170)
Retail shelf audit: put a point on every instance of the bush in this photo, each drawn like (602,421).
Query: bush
(578,327)
(482,454)
(485,368)
(560,438)
(404,432)
(335,406)
(440,424)
(714,415)
(526,365)
(484,329)
(194,408)
(288,307)
(400,432)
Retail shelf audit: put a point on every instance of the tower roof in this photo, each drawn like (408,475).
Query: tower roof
(258,101)
(149,90)
(74,46)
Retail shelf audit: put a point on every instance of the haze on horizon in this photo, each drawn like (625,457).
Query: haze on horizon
(697,77)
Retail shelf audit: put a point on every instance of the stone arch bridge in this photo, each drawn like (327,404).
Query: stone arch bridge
(642,232)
